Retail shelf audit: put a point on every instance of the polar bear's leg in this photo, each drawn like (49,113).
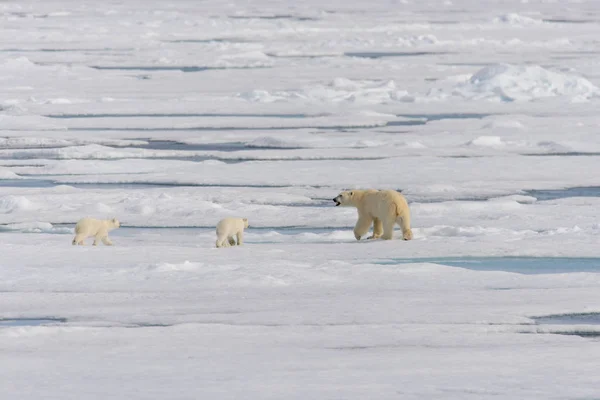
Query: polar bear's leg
(107,241)
(240,238)
(388,230)
(99,236)
(79,240)
(231,240)
(404,222)
(221,241)
(377,229)
(362,226)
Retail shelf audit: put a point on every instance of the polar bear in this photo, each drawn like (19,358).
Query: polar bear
(98,228)
(382,208)
(227,228)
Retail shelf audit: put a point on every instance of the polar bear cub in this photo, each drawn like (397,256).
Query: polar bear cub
(98,228)
(227,228)
(382,208)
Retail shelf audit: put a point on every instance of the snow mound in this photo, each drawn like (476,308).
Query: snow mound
(486,141)
(8,174)
(257,55)
(418,40)
(32,142)
(10,204)
(35,227)
(464,231)
(516,19)
(84,152)
(271,142)
(550,146)
(504,124)
(141,209)
(507,82)
(29,122)
(168,267)
(59,100)
(16,64)
(338,91)
(249,59)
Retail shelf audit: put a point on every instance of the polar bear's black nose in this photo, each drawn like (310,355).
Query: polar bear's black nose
(336,201)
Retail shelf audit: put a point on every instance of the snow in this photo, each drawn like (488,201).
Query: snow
(516,19)
(525,83)
(171,116)
(339,90)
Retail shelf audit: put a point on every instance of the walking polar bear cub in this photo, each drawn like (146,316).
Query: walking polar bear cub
(382,208)
(227,228)
(98,228)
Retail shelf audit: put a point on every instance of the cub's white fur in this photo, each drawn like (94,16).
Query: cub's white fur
(98,228)
(227,228)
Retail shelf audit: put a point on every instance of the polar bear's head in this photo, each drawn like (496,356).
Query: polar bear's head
(344,198)
(115,223)
(245,222)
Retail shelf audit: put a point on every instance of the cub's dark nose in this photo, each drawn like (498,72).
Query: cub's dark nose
(337,203)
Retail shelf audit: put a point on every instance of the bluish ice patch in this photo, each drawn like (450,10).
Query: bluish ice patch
(128,230)
(382,54)
(565,154)
(307,56)
(50,182)
(210,40)
(179,115)
(12,322)
(569,21)
(570,321)
(174,145)
(27,183)
(148,185)
(341,128)
(50,50)
(274,17)
(521,265)
(554,194)
(226,146)
(414,122)
(592,318)
(192,68)
(442,116)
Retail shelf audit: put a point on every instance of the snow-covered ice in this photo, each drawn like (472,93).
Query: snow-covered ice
(173,115)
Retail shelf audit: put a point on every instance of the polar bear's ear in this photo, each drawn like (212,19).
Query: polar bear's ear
(351,193)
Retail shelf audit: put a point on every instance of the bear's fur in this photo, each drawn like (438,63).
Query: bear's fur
(382,208)
(227,228)
(98,228)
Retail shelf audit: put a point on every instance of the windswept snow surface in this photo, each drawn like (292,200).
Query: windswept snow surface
(173,115)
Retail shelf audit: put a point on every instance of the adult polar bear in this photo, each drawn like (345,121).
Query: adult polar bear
(382,208)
